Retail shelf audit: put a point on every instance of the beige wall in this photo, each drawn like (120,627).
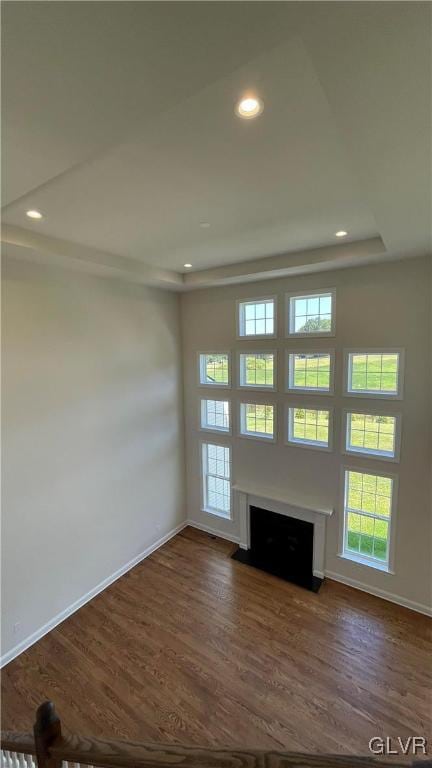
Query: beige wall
(92,435)
(92,444)
(377,306)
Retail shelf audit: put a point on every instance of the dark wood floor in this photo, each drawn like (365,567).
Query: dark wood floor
(192,647)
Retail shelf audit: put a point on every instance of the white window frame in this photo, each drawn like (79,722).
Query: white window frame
(214,430)
(374,351)
(203,487)
(290,318)
(297,443)
(257,387)
(256,435)
(241,320)
(370,562)
(371,453)
(289,374)
(200,369)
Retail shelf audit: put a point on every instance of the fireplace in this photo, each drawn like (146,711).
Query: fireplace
(282,546)
(281,536)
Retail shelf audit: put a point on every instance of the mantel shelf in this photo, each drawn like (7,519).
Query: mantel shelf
(265,493)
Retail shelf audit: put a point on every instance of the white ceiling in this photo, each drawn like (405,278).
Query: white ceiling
(119,126)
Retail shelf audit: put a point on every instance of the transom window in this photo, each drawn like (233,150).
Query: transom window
(257,420)
(374,373)
(216,479)
(368,509)
(309,427)
(214,369)
(257,369)
(372,434)
(215,415)
(311,371)
(257,317)
(311,314)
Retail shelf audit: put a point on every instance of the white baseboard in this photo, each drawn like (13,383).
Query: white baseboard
(213,531)
(392,598)
(54,622)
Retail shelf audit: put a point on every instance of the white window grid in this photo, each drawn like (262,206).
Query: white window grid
(257,318)
(216,479)
(372,434)
(369,501)
(311,371)
(215,415)
(374,373)
(214,369)
(308,311)
(257,370)
(310,427)
(258,421)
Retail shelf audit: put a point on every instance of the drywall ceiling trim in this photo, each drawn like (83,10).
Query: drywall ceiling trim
(25,244)
(300,262)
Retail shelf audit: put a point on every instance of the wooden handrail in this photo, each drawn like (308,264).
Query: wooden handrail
(51,747)
(131,754)
(18,742)
(118,754)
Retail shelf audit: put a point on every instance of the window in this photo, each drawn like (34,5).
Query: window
(372,434)
(216,479)
(257,317)
(311,372)
(257,370)
(309,427)
(368,511)
(215,415)
(214,369)
(257,421)
(311,313)
(375,373)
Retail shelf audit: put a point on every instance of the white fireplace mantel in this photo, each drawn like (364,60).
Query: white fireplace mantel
(245,497)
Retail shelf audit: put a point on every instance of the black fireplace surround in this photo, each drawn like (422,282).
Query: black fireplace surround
(282,546)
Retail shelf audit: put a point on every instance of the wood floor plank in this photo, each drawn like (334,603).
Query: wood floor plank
(192,647)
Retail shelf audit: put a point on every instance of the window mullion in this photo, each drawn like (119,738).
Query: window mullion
(375,516)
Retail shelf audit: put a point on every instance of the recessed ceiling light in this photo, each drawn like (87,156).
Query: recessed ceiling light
(204,224)
(249,106)
(341,233)
(34,214)
(188,266)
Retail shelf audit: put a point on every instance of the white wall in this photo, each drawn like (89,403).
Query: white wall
(377,306)
(92,446)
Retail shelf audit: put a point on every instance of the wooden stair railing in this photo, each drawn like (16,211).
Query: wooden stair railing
(48,747)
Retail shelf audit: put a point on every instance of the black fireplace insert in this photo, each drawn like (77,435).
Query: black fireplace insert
(282,546)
